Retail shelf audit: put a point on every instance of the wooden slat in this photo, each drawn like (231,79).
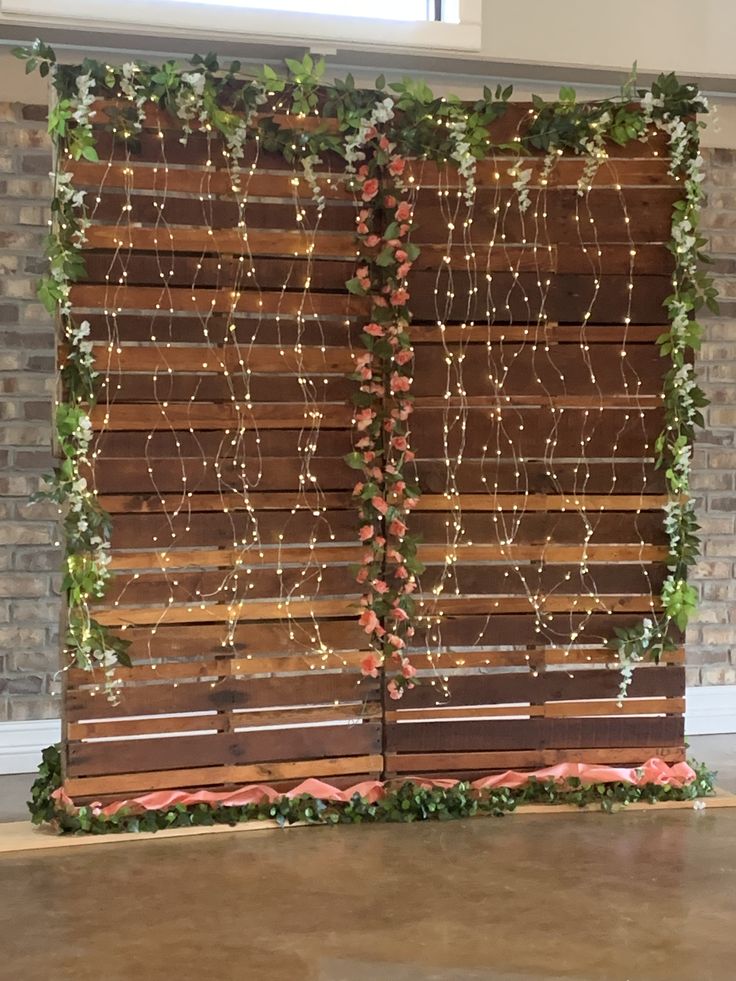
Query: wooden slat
(211,301)
(218,416)
(224,558)
(169,474)
(220,721)
(542,687)
(196,777)
(224,667)
(580,708)
(313,742)
(255,610)
(649,171)
(263,358)
(233,240)
(140,531)
(227,695)
(148,503)
(482,762)
(545,733)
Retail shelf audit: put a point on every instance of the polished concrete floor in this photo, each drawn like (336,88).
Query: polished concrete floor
(630,897)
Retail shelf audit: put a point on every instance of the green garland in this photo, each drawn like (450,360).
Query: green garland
(405,803)
(415,124)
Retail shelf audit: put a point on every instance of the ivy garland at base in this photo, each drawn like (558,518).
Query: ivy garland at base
(406,803)
(378,129)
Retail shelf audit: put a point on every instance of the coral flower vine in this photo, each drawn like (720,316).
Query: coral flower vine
(383,407)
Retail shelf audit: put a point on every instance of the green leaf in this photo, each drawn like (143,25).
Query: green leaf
(354,460)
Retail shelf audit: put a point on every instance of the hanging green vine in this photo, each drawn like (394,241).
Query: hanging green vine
(413,122)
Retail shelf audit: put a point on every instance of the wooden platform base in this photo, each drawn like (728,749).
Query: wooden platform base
(21,836)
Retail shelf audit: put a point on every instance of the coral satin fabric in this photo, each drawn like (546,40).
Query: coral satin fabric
(654,771)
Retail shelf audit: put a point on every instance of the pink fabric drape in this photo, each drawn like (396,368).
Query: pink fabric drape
(654,771)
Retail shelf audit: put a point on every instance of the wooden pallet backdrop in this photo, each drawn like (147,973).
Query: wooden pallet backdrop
(224,333)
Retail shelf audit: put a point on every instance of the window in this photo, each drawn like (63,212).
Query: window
(427,10)
(438,26)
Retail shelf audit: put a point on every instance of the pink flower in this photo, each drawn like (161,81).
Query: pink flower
(393,556)
(399,443)
(403,212)
(364,418)
(369,665)
(380,586)
(375,330)
(368,621)
(358,489)
(398,614)
(377,474)
(379,504)
(363,214)
(400,383)
(366,533)
(400,255)
(399,297)
(389,201)
(367,557)
(363,170)
(371,132)
(380,540)
(369,456)
(409,455)
(393,690)
(404,356)
(400,486)
(388,425)
(401,572)
(396,167)
(372,241)
(362,575)
(362,228)
(410,587)
(403,271)
(397,528)
(407,668)
(384,143)
(370,190)
(395,641)
(380,301)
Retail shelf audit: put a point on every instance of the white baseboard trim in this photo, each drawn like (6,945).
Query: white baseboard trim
(21,743)
(711,710)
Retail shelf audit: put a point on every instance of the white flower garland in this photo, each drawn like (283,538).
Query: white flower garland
(382,112)
(460,153)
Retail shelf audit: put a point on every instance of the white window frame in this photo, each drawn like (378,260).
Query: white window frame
(200,21)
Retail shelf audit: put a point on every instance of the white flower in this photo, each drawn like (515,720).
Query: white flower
(196,80)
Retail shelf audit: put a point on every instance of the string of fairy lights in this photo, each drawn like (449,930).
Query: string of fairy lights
(506,525)
(484,308)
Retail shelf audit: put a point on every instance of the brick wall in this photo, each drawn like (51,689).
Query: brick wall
(29,600)
(29,587)
(712,637)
